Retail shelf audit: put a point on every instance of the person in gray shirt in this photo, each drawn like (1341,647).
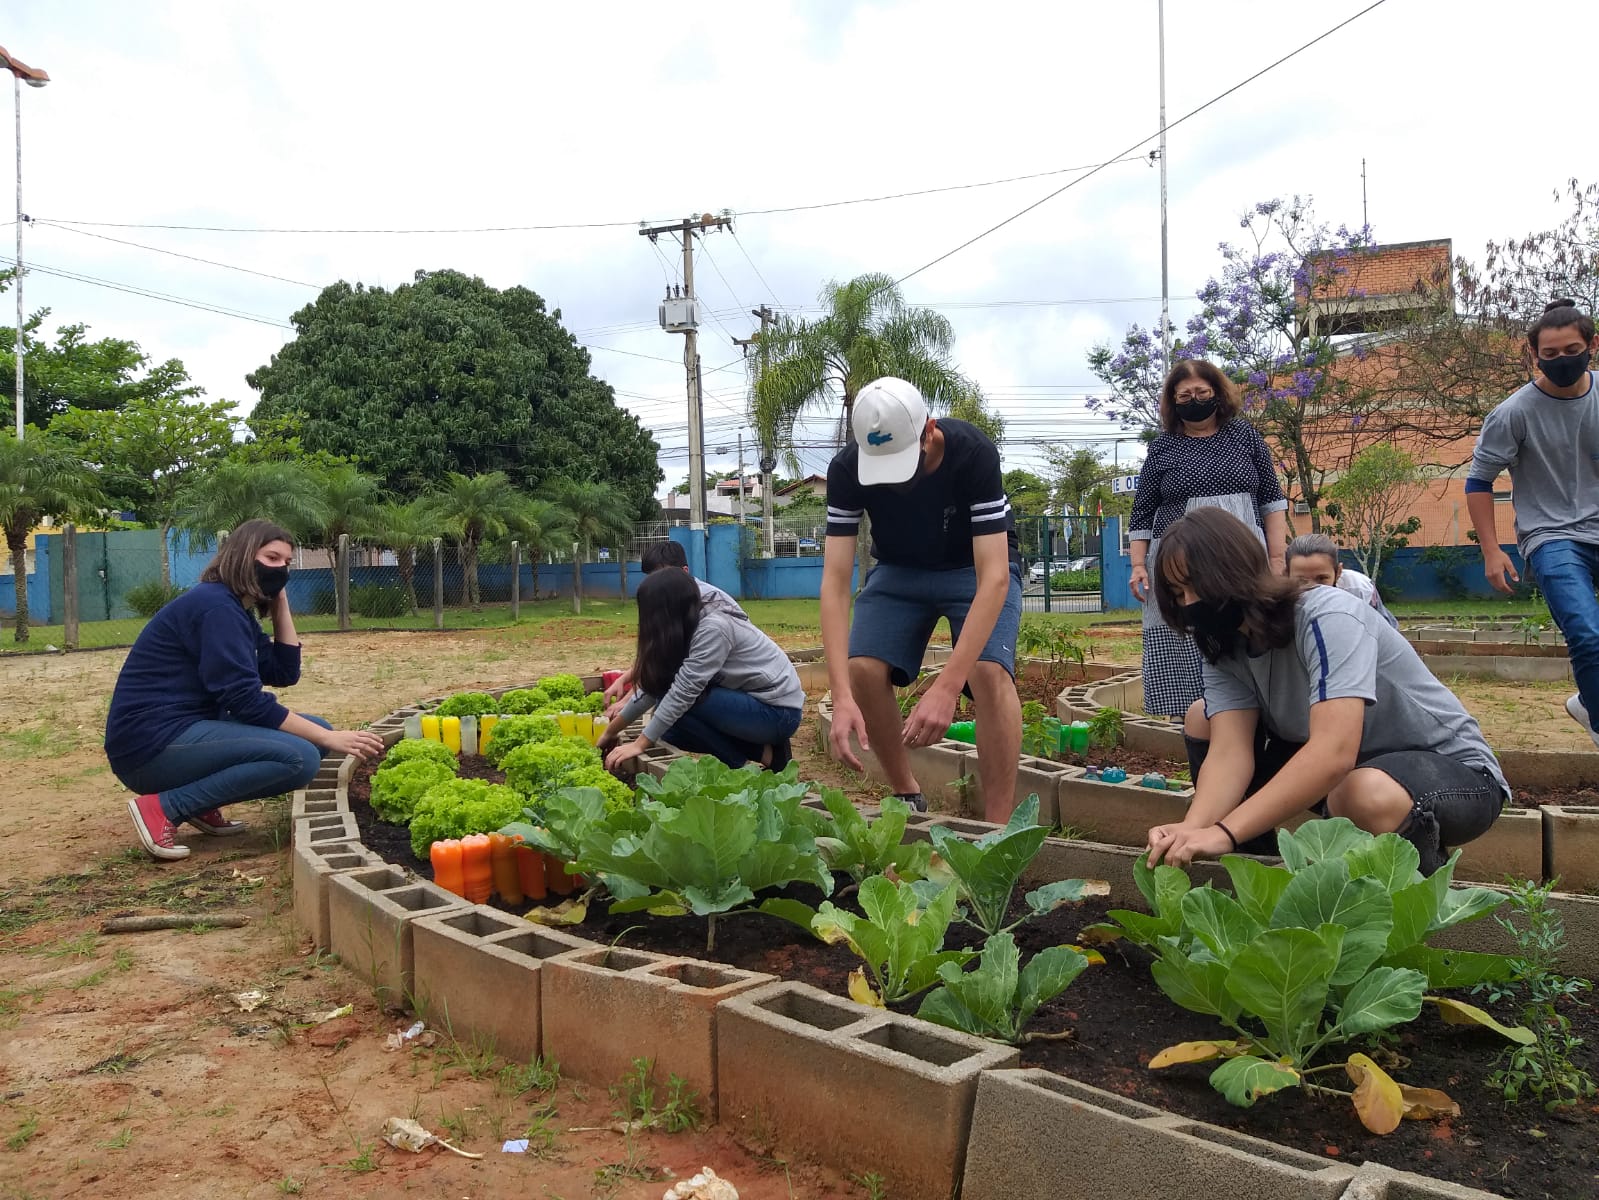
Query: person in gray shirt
(1309,694)
(1547,436)
(717,683)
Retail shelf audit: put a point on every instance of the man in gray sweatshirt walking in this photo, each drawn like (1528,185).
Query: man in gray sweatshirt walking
(1547,436)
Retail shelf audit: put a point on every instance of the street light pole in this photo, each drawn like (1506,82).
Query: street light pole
(20,73)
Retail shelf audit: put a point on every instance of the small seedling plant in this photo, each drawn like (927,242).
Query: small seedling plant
(1543,1068)
(899,941)
(986,872)
(999,997)
(1325,950)
(1105,728)
(848,842)
(1059,644)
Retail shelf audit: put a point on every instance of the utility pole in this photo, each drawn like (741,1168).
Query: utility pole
(1365,221)
(687,323)
(21,73)
(741,520)
(1165,276)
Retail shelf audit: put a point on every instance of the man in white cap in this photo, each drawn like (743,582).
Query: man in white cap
(945,548)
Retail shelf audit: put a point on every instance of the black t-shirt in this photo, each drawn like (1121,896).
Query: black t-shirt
(932,524)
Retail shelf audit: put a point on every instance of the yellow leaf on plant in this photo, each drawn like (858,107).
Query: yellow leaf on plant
(861,992)
(1377,1098)
(1423,1104)
(1458,1012)
(1192,1052)
(1099,935)
(567,912)
(1094,957)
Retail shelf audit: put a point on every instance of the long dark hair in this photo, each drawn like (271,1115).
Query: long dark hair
(234,563)
(668,614)
(1227,405)
(1223,563)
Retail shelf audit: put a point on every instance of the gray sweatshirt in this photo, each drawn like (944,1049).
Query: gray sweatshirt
(726,651)
(1551,448)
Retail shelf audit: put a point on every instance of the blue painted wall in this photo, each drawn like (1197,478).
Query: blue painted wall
(39,610)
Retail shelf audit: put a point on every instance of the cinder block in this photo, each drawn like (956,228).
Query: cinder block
(1513,845)
(370,913)
(478,976)
(1550,768)
(655,761)
(1373,1181)
(603,1008)
(1571,845)
(311,867)
(1103,1147)
(820,1073)
(1118,813)
(323,828)
(317,802)
(939,770)
(1036,777)
(1159,738)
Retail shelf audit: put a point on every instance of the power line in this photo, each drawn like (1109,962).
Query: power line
(1121,157)
(769,289)
(131,289)
(175,254)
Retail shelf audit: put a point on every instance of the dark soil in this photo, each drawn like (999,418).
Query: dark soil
(1120,1019)
(1533,797)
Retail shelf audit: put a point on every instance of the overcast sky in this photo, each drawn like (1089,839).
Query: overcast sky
(405,116)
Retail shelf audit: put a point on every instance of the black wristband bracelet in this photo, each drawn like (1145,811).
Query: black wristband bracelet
(1229,834)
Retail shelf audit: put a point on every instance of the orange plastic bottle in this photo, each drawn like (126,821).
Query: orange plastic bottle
(530,871)
(477,868)
(555,877)
(446,858)
(502,857)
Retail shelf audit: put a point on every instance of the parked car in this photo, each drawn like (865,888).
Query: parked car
(1035,573)
(1090,563)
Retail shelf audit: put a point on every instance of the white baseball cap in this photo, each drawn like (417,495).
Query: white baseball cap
(888,421)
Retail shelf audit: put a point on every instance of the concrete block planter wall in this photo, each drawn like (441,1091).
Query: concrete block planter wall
(316,802)
(324,828)
(370,912)
(862,1089)
(1099,1143)
(1120,813)
(1376,1182)
(478,975)
(311,866)
(1571,845)
(603,1008)
(1514,846)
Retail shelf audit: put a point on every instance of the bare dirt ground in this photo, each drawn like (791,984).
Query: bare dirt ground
(127,1066)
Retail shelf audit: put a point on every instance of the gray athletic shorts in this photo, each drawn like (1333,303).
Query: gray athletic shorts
(899,607)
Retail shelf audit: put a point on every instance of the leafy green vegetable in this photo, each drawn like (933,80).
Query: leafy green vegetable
(457,807)
(705,854)
(511,732)
(988,870)
(996,1000)
(411,749)
(397,789)
(900,942)
(708,776)
(467,704)
(617,794)
(523,700)
(848,843)
(540,768)
(1327,948)
(566,818)
(562,687)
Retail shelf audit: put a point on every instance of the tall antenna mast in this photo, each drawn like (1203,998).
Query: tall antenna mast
(1165,277)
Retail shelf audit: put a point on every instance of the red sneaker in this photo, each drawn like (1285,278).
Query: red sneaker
(153,828)
(216,824)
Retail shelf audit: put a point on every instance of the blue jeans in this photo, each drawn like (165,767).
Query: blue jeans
(212,763)
(732,725)
(1568,574)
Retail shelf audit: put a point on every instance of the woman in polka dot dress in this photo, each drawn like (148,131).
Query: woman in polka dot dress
(1208,456)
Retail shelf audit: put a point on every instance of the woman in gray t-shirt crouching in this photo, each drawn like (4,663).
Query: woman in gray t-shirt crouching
(1310,700)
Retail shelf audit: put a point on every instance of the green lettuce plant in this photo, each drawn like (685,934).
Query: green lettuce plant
(523,700)
(848,842)
(562,687)
(999,997)
(467,704)
(397,789)
(457,807)
(899,941)
(510,732)
(1326,949)
(411,749)
(540,768)
(987,871)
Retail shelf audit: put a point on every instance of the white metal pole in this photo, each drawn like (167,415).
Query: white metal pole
(1165,276)
(16,282)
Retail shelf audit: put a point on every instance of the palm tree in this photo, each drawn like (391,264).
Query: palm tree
(349,499)
(405,529)
(541,526)
(474,509)
(596,512)
(233,492)
(39,477)
(867,331)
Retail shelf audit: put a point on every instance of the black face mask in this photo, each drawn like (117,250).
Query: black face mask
(1564,370)
(1218,628)
(1195,411)
(270,580)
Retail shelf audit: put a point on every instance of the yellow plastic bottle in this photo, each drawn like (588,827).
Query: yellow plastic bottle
(485,726)
(430,728)
(450,733)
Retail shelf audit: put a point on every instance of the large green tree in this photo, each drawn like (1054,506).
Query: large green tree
(40,476)
(233,492)
(447,374)
(150,450)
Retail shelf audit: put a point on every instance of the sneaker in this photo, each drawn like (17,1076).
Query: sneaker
(153,828)
(916,800)
(782,755)
(215,824)
(1579,714)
